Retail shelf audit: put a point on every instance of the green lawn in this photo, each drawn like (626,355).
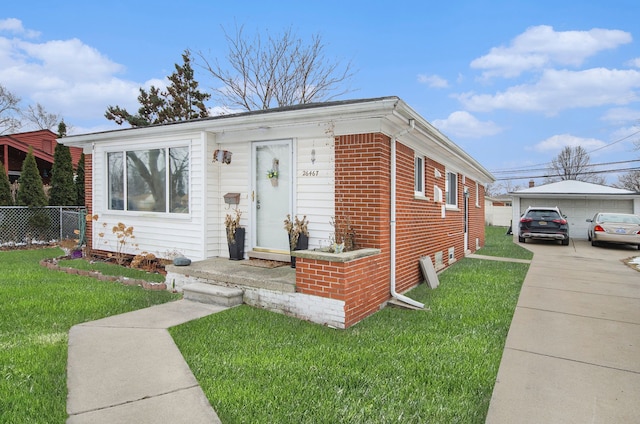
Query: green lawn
(498,243)
(436,366)
(38,307)
(255,366)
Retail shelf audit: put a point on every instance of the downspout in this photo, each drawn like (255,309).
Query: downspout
(395,294)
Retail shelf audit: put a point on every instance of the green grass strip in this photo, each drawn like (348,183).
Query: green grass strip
(435,366)
(499,243)
(38,307)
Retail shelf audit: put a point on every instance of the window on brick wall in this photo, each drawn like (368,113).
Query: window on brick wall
(477,195)
(451,189)
(419,176)
(155,180)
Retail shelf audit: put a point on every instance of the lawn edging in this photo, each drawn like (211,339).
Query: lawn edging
(53,265)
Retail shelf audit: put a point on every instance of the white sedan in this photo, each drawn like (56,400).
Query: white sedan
(619,228)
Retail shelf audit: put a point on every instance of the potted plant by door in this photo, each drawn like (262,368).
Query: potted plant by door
(235,235)
(298,235)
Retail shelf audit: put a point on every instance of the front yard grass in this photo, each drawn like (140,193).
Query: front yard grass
(255,366)
(38,307)
(437,365)
(498,243)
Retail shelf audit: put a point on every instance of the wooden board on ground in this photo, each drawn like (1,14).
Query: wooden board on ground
(429,272)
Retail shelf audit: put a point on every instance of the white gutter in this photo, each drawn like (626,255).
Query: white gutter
(395,294)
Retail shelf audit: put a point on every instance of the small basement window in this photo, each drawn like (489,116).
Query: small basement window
(418,176)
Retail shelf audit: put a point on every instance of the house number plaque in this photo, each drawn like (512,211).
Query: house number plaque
(306,173)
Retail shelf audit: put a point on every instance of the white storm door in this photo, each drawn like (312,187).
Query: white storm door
(272,197)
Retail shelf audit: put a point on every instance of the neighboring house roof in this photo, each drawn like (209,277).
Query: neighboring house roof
(43,143)
(571,188)
(392,111)
(501,198)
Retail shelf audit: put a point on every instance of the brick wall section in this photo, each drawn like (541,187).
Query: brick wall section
(362,194)
(476,215)
(88,196)
(362,187)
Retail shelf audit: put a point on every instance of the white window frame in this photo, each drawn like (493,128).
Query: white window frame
(448,194)
(418,176)
(167,211)
(477,195)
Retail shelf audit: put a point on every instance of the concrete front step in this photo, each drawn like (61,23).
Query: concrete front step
(212,294)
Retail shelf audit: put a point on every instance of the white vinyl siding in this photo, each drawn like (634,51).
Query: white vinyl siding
(161,233)
(314,193)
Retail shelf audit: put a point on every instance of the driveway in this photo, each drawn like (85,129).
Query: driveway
(572,354)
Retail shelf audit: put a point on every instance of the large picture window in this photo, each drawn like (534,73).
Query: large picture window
(452,189)
(155,180)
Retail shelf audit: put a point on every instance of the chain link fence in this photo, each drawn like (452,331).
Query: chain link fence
(21,225)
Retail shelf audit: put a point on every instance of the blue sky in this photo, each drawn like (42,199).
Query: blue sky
(511,82)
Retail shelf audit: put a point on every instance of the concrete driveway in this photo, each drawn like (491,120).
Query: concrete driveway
(573,350)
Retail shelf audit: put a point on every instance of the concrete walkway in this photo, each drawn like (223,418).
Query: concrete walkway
(127,369)
(572,354)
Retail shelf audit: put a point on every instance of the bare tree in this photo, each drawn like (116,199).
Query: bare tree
(501,188)
(630,181)
(573,163)
(40,118)
(9,109)
(277,71)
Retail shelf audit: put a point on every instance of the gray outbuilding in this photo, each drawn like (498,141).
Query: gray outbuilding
(577,200)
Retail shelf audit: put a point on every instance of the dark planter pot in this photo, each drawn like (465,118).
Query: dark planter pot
(236,250)
(303,244)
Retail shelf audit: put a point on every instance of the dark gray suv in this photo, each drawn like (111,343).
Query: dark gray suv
(543,223)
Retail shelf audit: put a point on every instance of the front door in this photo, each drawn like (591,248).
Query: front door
(272,194)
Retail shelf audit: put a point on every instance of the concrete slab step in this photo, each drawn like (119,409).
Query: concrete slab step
(212,294)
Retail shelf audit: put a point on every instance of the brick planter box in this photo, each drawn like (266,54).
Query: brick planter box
(358,278)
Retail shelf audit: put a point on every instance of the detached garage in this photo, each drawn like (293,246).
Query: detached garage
(577,200)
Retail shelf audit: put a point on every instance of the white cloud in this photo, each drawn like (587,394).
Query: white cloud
(562,89)
(464,125)
(557,142)
(14,26)
(541,46)
(634,62)
(626,138)
(621,115)
(67,77)
(433,81)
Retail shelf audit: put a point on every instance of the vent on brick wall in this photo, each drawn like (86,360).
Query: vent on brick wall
(452,256)
(437,194)
(438,257)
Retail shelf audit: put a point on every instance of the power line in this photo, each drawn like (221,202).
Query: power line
(605,171)
(586,166)
(546,164)
(617,141)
